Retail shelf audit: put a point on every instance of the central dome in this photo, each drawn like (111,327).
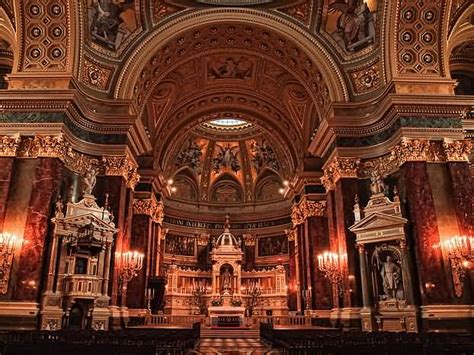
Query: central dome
(227,239)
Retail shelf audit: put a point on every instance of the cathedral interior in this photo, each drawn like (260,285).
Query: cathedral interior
(210,175)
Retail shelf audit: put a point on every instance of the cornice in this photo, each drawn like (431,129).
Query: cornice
(57,146)
(407,150)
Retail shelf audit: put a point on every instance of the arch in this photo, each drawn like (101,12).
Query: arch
(267,185)
(287,135)
(186,185)
(226,189)
(132,69)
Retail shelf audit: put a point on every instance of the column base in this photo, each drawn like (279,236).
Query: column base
(350,318)
(19,315)
(119,317)
(448,318)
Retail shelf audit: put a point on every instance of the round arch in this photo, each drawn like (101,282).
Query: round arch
(130,72)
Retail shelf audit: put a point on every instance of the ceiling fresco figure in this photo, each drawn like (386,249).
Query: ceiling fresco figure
(226,158)
(111,21)
(355,24)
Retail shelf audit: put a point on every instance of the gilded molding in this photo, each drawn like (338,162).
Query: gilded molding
(339,168)
(305,209)
(149,207)
(49,146)
(411,150)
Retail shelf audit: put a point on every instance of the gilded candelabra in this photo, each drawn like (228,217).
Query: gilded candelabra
(128,265)
(8,243)
(254,293)
(330,264)
(460,251)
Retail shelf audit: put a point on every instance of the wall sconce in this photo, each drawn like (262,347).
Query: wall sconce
(8,244)
(128,264)
(460,251)
(330,264)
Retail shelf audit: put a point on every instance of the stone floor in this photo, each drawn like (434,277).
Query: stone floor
(221,346)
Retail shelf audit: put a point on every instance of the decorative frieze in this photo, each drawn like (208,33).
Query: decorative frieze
(416,150)
(305,209)
(55,146)
(339,168)
(149,207)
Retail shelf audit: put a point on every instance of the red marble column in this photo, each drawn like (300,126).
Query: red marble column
(141,237)
(249,257)
(46,184)
(463,193)
(5,179)
(344,197)
(301,286)
(322,291)
(429,260)
(292,277)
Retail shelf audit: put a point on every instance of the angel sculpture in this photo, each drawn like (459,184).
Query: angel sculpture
(355,24)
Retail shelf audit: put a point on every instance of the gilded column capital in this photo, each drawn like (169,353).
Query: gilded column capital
(250,240)
(411,150)
(9,145)
(203,239)
(297,216)
(457,151)
(121,166)
(339,168)
(305,209)
(291,234)
(149,207)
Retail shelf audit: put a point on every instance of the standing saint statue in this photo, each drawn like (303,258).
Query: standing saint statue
(226,281)
(89,180)
(391,277)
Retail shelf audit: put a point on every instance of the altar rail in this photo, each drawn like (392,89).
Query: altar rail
(156,320)
(163,320)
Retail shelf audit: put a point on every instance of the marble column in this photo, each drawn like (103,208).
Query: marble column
(434,285)
(344,196)
(365,277)
(292,275)
(140,242)
(301,279)
(463,194)
(5,180)
(45,186)
(321,289)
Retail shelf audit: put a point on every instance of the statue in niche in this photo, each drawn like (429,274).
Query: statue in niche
(390,272)
(89,179)
(190,156)
(355,24)
(227,158)
(226,281)
(263,156)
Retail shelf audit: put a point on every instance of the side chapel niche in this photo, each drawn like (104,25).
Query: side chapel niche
(387,287)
